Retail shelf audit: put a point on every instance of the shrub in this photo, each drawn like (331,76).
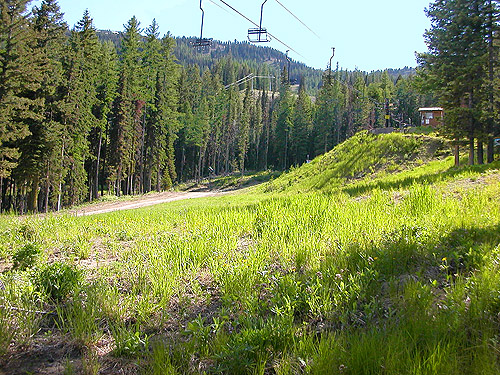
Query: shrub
(129,343)
(26,256)
(58,281)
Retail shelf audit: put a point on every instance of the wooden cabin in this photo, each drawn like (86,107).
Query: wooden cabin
(431,116)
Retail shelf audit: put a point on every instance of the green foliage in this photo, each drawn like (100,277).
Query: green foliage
(26,256)
(129,342)
(362,155)
(464,90)
(57,281)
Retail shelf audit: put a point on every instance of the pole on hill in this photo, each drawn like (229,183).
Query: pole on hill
(387,113)
(330,67)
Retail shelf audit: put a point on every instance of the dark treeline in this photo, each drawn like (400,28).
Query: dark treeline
(462,68)
(80,116)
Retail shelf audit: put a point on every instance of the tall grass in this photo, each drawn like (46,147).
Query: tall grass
(389,279)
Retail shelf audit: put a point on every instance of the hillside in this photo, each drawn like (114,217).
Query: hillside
(363,157)
(387,262)
(260,60)
(257,59)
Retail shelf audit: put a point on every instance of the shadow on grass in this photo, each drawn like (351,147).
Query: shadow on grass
(428,178)
(408,251)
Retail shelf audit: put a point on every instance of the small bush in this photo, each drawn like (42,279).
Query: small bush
(129,343)
(26,256)
(58,281)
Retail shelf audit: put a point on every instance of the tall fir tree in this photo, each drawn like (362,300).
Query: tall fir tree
(302,125)
(454,66)
(19,78)
(283,122)
(126,133)
(39,162)
(80,98)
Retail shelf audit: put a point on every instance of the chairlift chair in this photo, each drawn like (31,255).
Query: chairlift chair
(259,34)
(202,42)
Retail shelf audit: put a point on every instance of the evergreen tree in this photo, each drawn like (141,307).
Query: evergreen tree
(126,133)
(283,122)
(454,66)
(106,94)
(19,78)
(244,130)
(80,98)
(40,152)
(302,125)
(153,96)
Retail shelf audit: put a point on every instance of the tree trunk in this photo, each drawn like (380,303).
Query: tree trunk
(96,182)
(32,195)
(480,152)
(47,190)
(158,177)
(456,152)
(490,150)
(471,150)
(1,194)
(183,161)
(59,193)
(491,79)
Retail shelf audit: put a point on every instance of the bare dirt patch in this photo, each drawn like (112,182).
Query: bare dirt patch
(48,356)
(142,201)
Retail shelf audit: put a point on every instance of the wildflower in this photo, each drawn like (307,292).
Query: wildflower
(444,259)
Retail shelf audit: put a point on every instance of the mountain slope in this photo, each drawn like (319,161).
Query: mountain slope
(362,158)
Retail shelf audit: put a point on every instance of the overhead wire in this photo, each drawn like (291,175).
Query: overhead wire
(224,9)
(289,47)
(257,25)
(298,19)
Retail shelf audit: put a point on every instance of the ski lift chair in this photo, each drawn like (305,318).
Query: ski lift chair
(202,42)
(259,34)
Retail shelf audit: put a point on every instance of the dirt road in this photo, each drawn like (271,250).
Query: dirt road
(142,201)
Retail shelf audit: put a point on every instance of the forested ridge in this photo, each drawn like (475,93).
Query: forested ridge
(84,112)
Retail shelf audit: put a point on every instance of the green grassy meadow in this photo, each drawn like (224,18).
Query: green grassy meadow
(379,257)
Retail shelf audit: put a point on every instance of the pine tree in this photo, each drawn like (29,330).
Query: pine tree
(19,78)
(283,123)
(302,125)
(79,102)
(244,129)
(127,127)
(153,97)
(454,66)
(491,113)
(106,94)
(40,156)
(162,129)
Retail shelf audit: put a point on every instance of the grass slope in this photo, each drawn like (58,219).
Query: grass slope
(364,156)
(385,274)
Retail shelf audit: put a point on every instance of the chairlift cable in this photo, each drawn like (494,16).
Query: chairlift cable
(224,9)
(257,25)
(298,19)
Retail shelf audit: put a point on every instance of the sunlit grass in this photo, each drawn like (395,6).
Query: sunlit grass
(398,274)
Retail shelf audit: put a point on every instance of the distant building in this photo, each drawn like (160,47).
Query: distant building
(431,116)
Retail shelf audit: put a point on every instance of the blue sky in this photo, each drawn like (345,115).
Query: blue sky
(366,34)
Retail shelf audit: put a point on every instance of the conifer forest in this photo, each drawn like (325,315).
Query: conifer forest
(174,205)
(84,112)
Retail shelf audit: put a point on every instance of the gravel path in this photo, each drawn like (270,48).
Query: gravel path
(143,201)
